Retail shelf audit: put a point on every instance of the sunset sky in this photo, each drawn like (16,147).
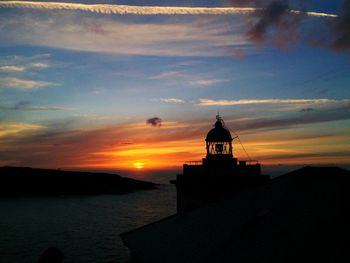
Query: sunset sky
(103,90)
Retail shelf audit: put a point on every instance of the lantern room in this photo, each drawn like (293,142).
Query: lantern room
(219,141)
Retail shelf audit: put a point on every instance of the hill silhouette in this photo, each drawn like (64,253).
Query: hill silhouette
(21,181)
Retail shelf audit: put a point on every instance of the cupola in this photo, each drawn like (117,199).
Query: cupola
(219,140)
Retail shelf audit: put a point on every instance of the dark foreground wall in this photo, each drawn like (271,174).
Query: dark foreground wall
(29,181)
(302,216)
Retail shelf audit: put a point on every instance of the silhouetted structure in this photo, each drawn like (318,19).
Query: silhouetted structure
(302,216)
(229,212)
(218,174)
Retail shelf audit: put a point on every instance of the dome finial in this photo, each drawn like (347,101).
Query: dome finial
(218,117)
(219,121)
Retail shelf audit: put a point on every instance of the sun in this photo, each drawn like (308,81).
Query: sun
(139,165)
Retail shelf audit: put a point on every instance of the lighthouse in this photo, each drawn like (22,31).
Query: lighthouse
(219,174)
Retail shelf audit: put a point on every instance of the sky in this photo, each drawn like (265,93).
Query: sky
(115,87)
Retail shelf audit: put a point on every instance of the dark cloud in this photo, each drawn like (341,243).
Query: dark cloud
(273,21)
(288,122)
(270,16)
(292,156)
(28,106)
(94,27)
(155,121)
(276,21)
(22,105)
(340,28)
(307,110)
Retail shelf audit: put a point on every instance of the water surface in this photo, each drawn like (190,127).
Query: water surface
(85,228)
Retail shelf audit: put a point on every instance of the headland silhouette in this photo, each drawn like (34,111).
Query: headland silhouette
(22,181)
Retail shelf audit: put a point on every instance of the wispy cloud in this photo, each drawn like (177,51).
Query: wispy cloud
(210,102)
(207,82)
(173,74)
(141,10)
(25,60)
(171,38)
(28,106)
(172,100)
(11,69)
(288,122)
(39,65)
(188,78)
(275,17)
(17,128)
(20,64)
(24,84)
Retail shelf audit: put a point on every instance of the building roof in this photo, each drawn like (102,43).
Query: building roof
(301,216)
(219,133)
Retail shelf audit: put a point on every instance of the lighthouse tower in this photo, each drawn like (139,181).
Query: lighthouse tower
(218,174)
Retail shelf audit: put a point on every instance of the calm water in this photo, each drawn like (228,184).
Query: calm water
(85,228)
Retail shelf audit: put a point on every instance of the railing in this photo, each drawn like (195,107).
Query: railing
(194,163)
(250,162)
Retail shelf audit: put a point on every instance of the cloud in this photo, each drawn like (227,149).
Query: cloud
(207,82)
(180,38)
(11,69)
(172,100)
(188,79)
(167,39)
(302,156)
(341,29)
(155,122)
(333,113)
(171,75)
(307,110)
(24,84)
(20,64)
(39,65)
(276,15)
(139,10)
(274,20)
(63,144)
(210,102)
(17,128)
(28,106)
(73,142)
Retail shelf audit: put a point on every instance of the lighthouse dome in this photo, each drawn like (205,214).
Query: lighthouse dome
(219,133)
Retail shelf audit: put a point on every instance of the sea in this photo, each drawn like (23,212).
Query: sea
(84,228)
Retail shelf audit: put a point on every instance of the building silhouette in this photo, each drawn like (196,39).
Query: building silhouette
(229,212)
(218,174)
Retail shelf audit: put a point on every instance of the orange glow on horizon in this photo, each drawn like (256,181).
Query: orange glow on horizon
(169,155)
(174,154)
(165,148)
(139,165)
